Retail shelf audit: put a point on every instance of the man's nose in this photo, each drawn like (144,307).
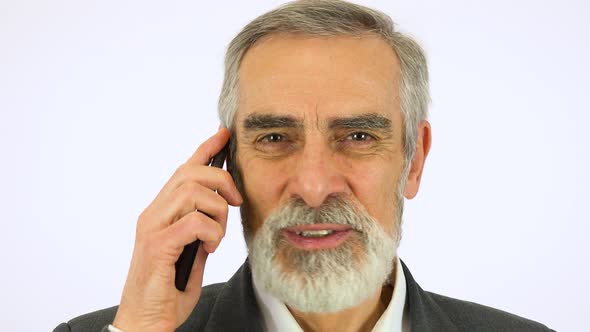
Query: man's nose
(316,175)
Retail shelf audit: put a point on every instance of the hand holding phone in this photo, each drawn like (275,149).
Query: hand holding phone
(184,264)
(185,211)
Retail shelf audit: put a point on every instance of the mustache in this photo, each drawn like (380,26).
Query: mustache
(335,210)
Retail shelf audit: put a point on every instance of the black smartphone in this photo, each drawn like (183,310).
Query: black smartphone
(185,261)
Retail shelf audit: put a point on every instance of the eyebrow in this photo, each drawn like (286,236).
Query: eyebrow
(365,121)
(267,121)
(370,121)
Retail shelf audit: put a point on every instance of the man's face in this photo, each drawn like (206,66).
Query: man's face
(319,118)
(319,149)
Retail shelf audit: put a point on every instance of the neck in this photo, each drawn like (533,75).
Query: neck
(361,317)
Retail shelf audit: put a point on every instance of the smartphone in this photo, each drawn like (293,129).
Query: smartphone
(185,261)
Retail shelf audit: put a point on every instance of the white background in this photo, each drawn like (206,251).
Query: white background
(100,101)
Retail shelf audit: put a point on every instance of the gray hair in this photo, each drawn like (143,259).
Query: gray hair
(325,18)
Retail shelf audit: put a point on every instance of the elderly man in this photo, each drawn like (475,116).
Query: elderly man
(326,107)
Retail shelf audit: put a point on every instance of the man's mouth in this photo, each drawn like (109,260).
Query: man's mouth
(317,236)
(318,233)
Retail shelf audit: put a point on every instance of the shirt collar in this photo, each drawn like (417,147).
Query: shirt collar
(277,317)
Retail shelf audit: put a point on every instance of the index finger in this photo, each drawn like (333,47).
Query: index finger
(206,151)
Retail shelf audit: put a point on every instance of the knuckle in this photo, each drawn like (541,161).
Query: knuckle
(141,221)
(195,219)
(222,213)
(180,170)
(188,189)
(220,233)
(217,232)
(227,178)
(184,172)
(224,210)
(142,217)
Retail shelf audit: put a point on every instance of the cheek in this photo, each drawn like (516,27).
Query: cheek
(377,192)
(262,187)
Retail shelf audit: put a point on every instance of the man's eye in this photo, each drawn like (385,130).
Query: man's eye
(274,144)
(272,138)
(359,136)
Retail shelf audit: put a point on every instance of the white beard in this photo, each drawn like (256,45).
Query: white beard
(327,280)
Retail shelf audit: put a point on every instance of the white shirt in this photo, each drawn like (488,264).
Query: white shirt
(277,317)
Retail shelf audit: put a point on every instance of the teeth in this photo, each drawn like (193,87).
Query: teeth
(318,233)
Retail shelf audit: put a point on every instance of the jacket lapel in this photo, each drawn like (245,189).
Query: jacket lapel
(425,314)
(236,308)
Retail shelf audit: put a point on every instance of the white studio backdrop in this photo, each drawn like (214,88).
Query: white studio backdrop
(100,101)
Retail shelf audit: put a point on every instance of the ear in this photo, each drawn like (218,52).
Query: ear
(423,142)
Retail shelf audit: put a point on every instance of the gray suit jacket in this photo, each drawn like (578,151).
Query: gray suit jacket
(231,306)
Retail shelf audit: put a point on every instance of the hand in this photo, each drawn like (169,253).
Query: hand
(150,301)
